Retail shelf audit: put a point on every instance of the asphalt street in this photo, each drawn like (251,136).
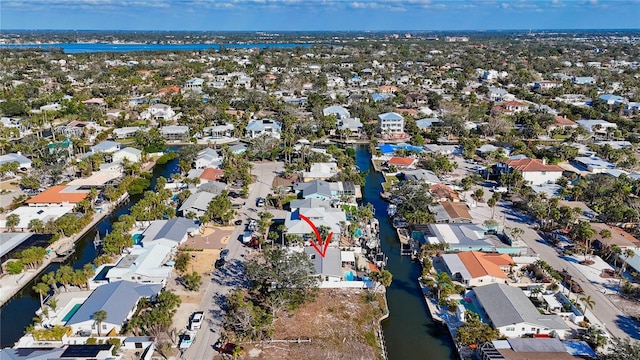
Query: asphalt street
(230,275)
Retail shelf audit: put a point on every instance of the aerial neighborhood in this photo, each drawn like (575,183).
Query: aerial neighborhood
(214,202)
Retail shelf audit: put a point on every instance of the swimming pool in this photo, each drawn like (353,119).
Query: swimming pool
(358,233)
(349,276)
(70,314)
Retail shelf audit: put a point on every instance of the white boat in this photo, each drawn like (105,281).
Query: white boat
(392,209)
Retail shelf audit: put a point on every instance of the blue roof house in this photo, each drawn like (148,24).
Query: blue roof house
(611,99)
(118,300)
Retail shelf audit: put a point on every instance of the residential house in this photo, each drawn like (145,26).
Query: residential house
(427,123)
(442,192)
(131,155)
(391,123)
(594,164)
(330,218)
(320,171)
(352,125)
(197,203)
(473,268)
(451,213)
(596,126)
(611,99)
(61,148)
(218,131)
(67,352)
(169,232)
(96,102)
(59,195)
(463,237)
(339,112)
(497,94)
(442,149)
(618,237)
(207,157)
(546,85)
(422,175)
(515,106)
(206,175)
(583,80)
(511,312)
(143,265)
(535,171)
(535,348)
(315,189)
(17,127)
(106,147)
(159,112)
(126,132)
(563,123)
(23,162)
(28,213)
(118,300)
(175,132)
(327,268)
(402,163)
(266,127)
(194,85)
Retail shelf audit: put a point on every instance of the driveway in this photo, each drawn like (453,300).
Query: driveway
(231,275)
(604,310)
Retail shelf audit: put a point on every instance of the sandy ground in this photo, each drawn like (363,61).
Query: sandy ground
(344,329)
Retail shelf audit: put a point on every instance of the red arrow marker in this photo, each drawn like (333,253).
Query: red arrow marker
(323,244)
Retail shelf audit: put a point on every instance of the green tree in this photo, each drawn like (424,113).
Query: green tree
(12,221)
(98,317)
(41,289)
(383,278)
(192,281)
(583,232)
(588,302)
(622,349)
(474,331)
(14,267)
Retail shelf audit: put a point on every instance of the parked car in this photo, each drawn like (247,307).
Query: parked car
(252,225)
(238,222)
(219,263)
(187,339)
(196,320)
(246,238)
(224,253)
(254,243)
(260,202)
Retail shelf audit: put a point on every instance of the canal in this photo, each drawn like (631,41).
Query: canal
(409,331)
(18,312)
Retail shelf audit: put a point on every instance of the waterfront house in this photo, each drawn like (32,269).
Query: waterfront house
(352,125)
(315,189)
(263,127)
(59,195)
(206,175)
(330,218)
(118,300)
(327,268)
(175,132)
(143,265)
(426,176)
(197,203)
(391,123)
(535,171)
(463,237)
(169,232)
(511,312)
(207,158)
(402,162)
(70,352)
(451,213)
(442,192)
(473,268)
(132,155)
(43,213)
(535,349)
(125,132)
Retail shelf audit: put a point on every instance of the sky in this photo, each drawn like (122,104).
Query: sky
(319,15)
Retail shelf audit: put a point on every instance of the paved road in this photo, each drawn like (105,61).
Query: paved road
(604,310)
(231,274)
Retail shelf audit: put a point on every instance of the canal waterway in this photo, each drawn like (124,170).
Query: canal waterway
(409,332)
(19,311)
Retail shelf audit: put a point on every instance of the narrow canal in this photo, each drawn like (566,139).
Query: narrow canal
(409,331)
(18,312)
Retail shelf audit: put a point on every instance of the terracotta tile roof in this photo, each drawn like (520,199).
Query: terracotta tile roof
(55,195)
(482,264)
(442,191)
(618,236)
(170,89)
(412,112)
(513,103)
(532,165)
(563,121)
(211,174)
(401,161)
(457,210)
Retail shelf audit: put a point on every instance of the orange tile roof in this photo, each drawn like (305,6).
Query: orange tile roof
(482,264)
(442,191)
(513,103)
(55,195)
(563,121)
(401,161)
(211,174)
(170,89)
(457,210)
(532,165)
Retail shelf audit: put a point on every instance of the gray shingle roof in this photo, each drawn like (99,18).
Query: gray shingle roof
(175,229)
(199,200)
(116,299)
(507,305)
(329,265)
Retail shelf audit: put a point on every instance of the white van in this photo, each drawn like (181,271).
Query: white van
(246,238)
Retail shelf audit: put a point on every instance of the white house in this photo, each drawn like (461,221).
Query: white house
(194,85)
(23,162)
(596,126)
(106,147)
(391,123)
(257,128)
(512,313)
(327,268)
(207,158)
(320,171)
(175,132)
(158,112)
(143,265)
(339,112)
(125,132)
(535,171)
(197,203)
(118,300)
(132,155)
(169,232)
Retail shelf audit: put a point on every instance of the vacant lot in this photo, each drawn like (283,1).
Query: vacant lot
(341,324)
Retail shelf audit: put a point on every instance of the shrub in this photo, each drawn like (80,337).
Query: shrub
(15,267)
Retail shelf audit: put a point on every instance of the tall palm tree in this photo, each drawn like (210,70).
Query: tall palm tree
(42,289)
(99,316)
(588,302)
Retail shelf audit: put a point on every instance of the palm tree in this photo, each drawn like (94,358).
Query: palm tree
(588,302)
(628,254)
(42,289)
(99,316)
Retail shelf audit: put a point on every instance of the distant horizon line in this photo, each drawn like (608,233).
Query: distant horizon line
(329,31)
